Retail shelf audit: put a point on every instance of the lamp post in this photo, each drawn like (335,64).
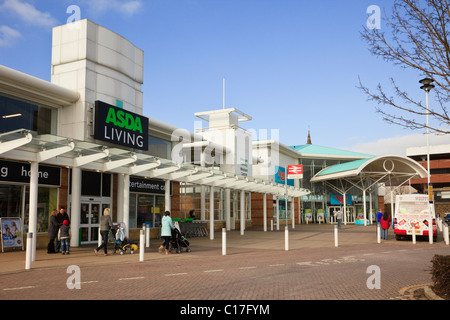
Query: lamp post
(427,86)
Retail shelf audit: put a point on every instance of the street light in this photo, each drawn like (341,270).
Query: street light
(427,86)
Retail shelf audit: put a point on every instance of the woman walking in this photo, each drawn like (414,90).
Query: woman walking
(166,231)
(105,226)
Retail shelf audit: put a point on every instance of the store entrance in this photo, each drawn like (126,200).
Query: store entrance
(351,213)
(89,222)
(91,212)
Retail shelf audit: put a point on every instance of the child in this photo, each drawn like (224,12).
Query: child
(64,237)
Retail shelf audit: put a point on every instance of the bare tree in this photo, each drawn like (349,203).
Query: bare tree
(418,40)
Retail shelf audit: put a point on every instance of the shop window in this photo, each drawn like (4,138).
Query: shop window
(146,209)
(159,148)
(16,114)
(10,201)
(13,204)
(94,184)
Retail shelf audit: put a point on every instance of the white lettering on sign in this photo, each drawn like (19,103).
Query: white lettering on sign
(27,173)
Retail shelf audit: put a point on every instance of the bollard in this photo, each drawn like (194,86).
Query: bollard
(430,231)
(29,252)
(446,235)
(141,246)
(286,238)
(414,233)
(336,236)
(271,225)
(378,233)
(147,236)
(224,241)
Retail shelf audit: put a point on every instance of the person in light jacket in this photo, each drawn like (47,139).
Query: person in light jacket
(166,231)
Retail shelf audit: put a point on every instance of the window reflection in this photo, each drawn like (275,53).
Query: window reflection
(16,114)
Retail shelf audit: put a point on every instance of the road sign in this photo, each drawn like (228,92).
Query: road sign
(295,171)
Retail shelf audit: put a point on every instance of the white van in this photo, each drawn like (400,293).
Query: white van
(412,215)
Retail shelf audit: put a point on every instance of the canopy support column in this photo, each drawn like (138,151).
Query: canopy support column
(32,226)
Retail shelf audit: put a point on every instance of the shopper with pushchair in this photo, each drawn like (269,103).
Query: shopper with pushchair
(166,232)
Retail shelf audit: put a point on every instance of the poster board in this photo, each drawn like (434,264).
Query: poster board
(11,233)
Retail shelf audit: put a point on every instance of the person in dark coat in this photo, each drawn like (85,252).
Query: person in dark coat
(61,217)
(53,228)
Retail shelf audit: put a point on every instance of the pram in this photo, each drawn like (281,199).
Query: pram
(178,241)
(120,241)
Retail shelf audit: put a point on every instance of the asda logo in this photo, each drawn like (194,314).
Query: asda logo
(119,126)
(123,119)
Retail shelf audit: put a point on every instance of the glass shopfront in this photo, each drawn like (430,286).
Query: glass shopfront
(14,201)
(95,197)
(17,114)
(14,192)
(147,202)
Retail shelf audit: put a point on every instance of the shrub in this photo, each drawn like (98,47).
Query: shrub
(441,275)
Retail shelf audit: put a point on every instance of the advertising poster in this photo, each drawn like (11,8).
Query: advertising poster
(11,233)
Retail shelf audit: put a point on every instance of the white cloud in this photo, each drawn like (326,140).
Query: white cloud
(128,8)
(8,36)
(28,13)
(398,145)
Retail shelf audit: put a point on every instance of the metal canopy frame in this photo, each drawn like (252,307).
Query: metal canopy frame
(392,170)
(23,145)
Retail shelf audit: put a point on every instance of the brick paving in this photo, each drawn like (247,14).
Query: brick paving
(256,268)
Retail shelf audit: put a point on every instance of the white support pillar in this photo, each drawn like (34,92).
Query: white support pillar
(32,225)
(249,206)
(211,213)
(126,203)
(228,209)
(168,200)
(265,211)
(235,210)
(75,207)
(203,204)
(242,223)
(277,203)
(345,208)
(365,207)
(120,186)
(293,212)
(392,203)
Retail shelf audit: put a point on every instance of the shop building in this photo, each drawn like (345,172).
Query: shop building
(439,174)
(81,142)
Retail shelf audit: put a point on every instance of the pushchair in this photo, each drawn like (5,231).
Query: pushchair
(178,241)
(120,241)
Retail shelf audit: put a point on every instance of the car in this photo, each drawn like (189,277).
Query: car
(447,218)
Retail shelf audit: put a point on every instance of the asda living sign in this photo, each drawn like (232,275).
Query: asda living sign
(119,126)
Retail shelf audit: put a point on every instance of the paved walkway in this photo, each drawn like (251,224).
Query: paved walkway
(312,238)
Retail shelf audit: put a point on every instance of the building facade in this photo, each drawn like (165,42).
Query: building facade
(81,142)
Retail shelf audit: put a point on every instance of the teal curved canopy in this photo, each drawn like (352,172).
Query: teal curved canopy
(391,169)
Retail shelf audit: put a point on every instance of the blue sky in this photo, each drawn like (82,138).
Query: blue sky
(292,65)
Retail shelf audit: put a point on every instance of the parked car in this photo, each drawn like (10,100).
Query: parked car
(447,218)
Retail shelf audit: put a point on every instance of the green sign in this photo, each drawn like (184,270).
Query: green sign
(119,126)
